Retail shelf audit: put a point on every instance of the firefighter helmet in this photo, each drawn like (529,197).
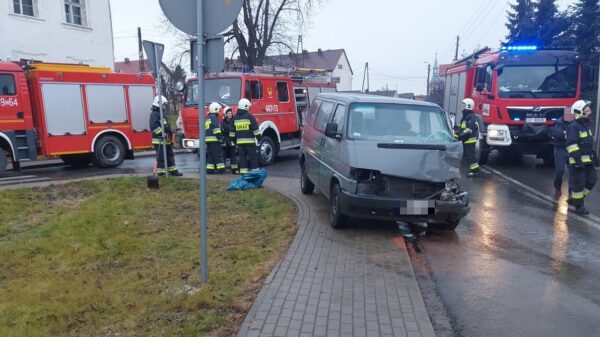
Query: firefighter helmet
(244,104)
(469,103)
(214,108)
(158,100)
(578,107)
(226,110)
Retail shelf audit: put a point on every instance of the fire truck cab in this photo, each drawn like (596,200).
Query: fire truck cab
(519,91)
(279,102)
(78,113)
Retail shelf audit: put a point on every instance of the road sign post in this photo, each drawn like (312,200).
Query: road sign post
(155,52)
(201,18)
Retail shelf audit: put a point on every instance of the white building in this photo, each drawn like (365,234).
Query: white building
(61,31)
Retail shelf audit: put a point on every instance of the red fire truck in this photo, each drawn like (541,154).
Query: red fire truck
(519,91)
(78,113)
(279,100)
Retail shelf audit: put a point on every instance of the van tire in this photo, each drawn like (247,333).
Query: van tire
(109,151)
(306,185)
(77,160)
(3,160)
(336,218)
(267,151)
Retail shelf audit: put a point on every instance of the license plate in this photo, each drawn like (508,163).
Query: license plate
(417,207)
(535,120)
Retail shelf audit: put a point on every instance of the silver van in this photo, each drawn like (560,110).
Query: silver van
(383,158)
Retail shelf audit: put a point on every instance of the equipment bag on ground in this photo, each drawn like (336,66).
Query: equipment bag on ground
(251,180)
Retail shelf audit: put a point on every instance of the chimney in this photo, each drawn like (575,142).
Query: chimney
(127,60)
(320,51)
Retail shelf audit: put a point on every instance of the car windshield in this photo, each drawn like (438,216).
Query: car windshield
(538,81)
(224,90)
(398,123)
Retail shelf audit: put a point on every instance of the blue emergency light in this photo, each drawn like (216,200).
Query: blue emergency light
(519,48)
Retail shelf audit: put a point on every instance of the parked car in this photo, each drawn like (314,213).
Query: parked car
(383,158)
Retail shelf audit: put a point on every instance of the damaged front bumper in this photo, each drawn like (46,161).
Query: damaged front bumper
(398,209)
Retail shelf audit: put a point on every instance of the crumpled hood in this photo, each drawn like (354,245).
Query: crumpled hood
(435,163)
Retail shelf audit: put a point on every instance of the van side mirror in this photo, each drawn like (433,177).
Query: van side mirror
(479,87)
(331,131)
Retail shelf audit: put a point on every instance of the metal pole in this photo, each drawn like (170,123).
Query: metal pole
(162,116)
(200,40)
(428,73)
(140,50)
(597,135)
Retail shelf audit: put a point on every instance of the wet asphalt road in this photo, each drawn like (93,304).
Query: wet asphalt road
(516,266)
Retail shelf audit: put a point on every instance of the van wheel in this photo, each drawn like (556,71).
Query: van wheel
(109,151)
(306,185)
(336,218)
(77,160)
(3,160)
(266,151)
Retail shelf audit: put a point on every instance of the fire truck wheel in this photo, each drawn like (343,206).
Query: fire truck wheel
(267,151)
(2,160)
(77,160)
(109,151)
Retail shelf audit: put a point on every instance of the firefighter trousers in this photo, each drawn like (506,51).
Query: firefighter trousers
(248,157)
(160,159)
(470,157)
(230,152)
(214,158)
(582,181)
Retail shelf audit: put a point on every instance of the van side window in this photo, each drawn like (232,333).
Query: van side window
(314,106)
(253,90)
(7,85)
(324,115)
(338,117)
(282,92)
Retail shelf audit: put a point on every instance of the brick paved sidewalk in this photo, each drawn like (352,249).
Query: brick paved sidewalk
(350,282)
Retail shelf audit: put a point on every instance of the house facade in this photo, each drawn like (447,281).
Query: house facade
(61,31)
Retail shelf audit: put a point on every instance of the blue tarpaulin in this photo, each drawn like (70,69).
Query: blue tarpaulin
(251,180)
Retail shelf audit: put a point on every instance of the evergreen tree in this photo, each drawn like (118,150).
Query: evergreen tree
(521,24)
(547,22)
(586,28)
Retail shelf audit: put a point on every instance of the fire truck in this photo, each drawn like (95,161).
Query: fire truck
(79,113)
(519,92)
(279,100)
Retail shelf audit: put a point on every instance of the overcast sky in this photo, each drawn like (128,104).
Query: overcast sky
(396,37)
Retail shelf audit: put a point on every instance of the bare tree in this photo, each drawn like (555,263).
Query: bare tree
(268,25)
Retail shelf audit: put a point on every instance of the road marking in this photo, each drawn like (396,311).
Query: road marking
(18,180)
(590,220)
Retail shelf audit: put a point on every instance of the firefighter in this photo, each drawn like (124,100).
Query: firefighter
(159,140)
(246,134)
(468,133)
(214,139)
(229,149)
(558,134)
(581,156)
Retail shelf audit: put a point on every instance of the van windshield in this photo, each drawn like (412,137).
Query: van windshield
(398,123)
(224,90)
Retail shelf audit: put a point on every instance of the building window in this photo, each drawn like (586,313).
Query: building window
(340,66)
(24,7)
(75,12)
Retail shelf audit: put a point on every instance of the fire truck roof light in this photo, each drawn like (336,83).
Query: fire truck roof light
(519,48)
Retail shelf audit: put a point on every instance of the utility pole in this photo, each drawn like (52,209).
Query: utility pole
(141,52)
(366,77)
(456,51)
(598,113)
(428,74)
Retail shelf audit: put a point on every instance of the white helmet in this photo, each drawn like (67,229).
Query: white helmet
(214,108)
(469,103)
(244,104)
(578,107)
(158,100)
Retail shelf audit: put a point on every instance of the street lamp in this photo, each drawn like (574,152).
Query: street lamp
(428,74)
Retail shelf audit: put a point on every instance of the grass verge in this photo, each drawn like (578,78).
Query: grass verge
(111,258)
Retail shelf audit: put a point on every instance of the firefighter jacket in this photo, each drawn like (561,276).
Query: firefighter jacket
(228,130)
(155,127)
(213,129)
(246,128)
(558,133)
(580,143)
(469,128)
